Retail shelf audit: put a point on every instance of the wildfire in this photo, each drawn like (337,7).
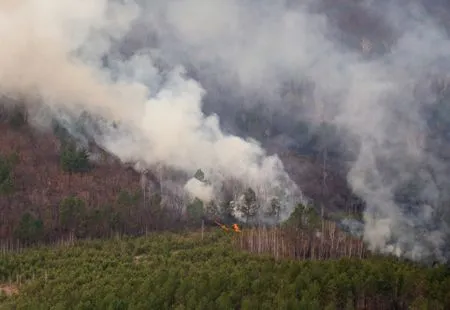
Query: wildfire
(235,227)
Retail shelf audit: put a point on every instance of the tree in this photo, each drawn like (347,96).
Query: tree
(29,229)
(226,206)
(114,219)
(312,217)
(199,175)
(71,212)
(61,132)
(298,218)
(95,223)
(212,210)
(275,208)
(128,204)
(127,199)
(6,174)
(73,160)
(195,210)
(248,204)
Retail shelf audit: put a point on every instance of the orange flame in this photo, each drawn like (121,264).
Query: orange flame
(236,228)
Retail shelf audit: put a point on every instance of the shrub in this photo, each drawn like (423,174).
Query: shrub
(74,160)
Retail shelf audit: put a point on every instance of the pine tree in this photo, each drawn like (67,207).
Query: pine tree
(73,160)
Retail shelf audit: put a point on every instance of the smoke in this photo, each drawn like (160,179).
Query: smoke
(54,61)
(374,76)
(374,70)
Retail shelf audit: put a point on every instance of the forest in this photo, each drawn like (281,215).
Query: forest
(82,232)
(53,187)
(79,230)
(195,271)
(109,109)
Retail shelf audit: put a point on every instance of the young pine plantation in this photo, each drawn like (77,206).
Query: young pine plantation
(184,271)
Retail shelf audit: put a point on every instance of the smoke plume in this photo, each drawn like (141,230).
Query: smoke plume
(373,70)
(54,60)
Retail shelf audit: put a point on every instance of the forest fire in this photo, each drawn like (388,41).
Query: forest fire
(235,227)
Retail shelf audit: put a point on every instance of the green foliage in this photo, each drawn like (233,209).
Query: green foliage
(129,210)
(304,216)
(168,271)
(6,173)
(71,213)
(74,160)
(249,207)
(30,229)
(127,199)
(195,210)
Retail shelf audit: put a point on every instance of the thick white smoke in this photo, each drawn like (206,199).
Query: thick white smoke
(54,52)
(377,89)
(52,59)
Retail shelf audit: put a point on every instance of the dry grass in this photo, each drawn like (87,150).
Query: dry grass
(9,289)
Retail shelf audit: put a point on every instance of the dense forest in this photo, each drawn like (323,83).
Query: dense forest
(194,271)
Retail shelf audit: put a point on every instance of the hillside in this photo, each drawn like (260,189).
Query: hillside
(46,202)
(187,209)
(327,186)
(40,185)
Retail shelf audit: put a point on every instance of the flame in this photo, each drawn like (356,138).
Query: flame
(225,228)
